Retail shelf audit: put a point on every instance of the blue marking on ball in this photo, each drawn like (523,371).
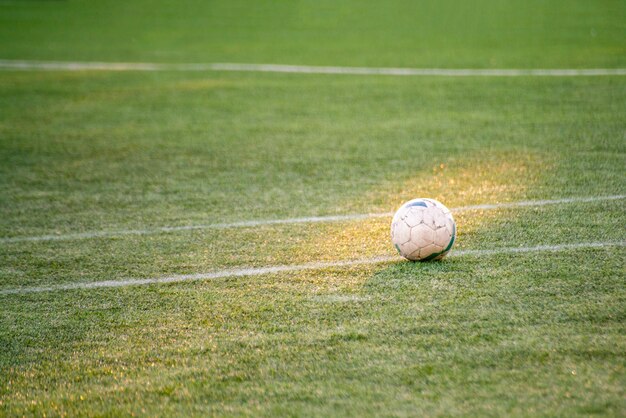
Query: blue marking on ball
(418,203)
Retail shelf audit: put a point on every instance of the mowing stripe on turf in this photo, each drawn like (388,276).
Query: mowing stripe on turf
(308,219)
(258,271)
(305,69)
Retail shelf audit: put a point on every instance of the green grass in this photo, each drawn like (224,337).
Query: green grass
(444,33)
(528,334)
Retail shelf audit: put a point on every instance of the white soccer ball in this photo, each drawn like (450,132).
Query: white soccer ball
(423,229)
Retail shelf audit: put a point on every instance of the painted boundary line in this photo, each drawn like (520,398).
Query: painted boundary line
(309,219)
(303,69)
(247,272)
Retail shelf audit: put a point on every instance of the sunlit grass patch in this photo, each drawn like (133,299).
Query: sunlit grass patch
(466,181)
(471,179)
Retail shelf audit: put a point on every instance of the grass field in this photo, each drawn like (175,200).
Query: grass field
(95,164)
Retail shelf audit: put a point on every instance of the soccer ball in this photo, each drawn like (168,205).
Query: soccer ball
(423,229)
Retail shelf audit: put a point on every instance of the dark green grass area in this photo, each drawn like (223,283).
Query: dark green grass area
(533,334)
(445,33)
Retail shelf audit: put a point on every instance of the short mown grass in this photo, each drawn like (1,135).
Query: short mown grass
(524,334)
(536,334)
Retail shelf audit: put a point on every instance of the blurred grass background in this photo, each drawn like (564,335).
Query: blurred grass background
(401,33)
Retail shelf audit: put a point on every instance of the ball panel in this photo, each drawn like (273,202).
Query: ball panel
(450,226)
(413,216)
(440,219)
(429,250)
(414,256)
(408,248)
(401,233)
(442,237)
(422,235)
(453,237)
(429,218)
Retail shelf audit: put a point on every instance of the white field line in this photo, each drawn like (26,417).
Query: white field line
(248,272)
(303,69)
(308,219)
